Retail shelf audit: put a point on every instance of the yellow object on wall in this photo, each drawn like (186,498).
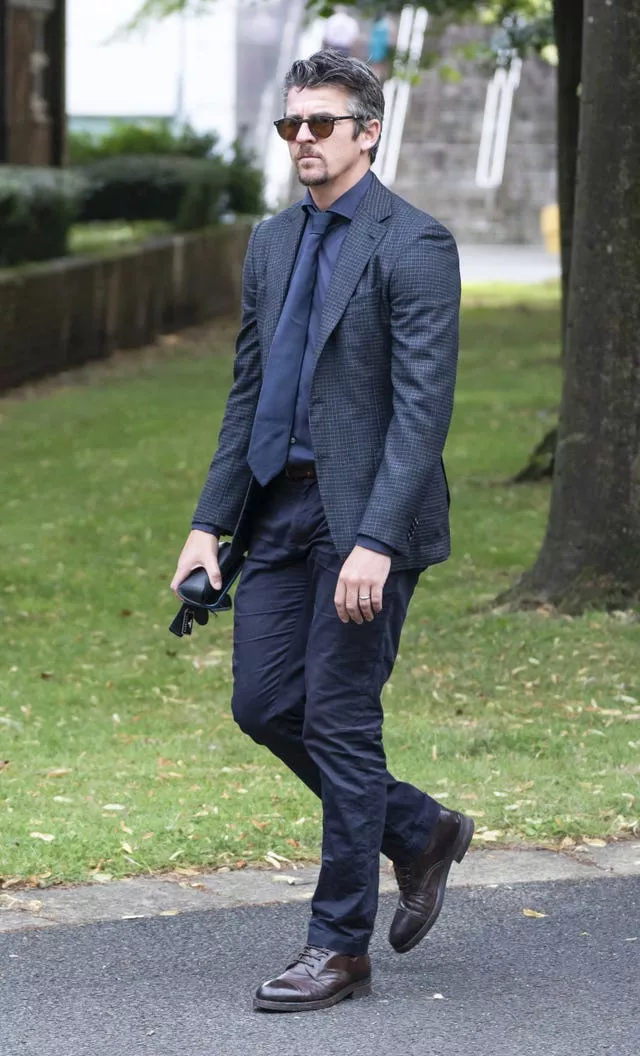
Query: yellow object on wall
(550,227)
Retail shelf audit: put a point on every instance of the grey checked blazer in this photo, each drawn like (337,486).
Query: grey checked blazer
(382,391)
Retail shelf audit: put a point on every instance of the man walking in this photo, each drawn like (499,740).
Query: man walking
(342,395)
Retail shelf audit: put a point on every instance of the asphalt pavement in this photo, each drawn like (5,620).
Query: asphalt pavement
(507,263)
(549,968)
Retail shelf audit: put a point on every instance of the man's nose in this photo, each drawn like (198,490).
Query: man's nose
(305,134)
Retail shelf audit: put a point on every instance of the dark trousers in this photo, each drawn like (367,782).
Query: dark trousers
(308,687)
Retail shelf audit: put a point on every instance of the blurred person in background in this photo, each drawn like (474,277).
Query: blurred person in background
(343,389)
(381,43)
(341,32)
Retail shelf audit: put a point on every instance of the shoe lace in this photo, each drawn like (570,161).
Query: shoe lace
(313,955)
(404,876)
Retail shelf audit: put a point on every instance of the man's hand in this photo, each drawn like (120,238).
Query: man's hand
(358,594)
(199,551)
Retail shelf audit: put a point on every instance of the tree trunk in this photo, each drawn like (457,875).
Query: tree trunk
(591,552)
(567,21)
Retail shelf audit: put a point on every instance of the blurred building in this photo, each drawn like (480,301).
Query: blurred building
(32,98)
(437,165)
(181,68)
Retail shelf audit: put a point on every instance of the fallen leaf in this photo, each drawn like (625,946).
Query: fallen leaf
(127,847)
(46,836)
(532,913)
(594,842)
(61,772)
(490,835)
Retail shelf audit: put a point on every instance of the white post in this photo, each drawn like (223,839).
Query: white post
(397,90)
(496,120)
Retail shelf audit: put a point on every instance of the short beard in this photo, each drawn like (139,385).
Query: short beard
(310,180)
(313,181)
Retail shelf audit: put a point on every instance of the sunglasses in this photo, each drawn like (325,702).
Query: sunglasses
(320,125)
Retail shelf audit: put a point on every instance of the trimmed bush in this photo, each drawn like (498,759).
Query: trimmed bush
(188,192)
(157,137)
(37,209)
(245,183)
(38,206)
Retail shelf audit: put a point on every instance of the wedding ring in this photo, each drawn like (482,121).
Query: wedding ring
(363,597)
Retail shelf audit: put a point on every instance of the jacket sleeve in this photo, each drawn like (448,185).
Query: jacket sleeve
(229,475)
(424,294)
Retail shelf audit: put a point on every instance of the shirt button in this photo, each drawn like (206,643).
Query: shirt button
(292,440)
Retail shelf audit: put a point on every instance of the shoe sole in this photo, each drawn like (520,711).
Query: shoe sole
(460,848)
(354,990)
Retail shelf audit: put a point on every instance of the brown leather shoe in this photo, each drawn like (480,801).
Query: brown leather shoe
(422,881)
(318,979)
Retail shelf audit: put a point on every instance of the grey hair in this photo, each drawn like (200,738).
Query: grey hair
(366,99)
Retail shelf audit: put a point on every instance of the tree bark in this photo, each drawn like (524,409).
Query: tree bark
(591,552)
(567,20)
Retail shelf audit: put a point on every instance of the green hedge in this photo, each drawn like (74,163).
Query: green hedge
(188,192)
(152,137)
(37,209)
(38,206)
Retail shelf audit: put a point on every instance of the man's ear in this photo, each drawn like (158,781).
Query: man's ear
(371,135)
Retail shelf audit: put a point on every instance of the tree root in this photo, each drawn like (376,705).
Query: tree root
(541,461)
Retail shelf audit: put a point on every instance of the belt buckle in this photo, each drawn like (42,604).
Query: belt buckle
(302,471)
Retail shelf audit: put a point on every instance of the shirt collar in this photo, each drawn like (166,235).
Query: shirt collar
(347,203)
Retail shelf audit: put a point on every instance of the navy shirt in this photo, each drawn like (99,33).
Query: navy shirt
(344,210)
(301,448)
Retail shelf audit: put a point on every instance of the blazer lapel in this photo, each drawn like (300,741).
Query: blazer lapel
(282,254)
(365,232)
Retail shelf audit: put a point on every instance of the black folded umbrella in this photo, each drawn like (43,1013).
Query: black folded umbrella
(200,598)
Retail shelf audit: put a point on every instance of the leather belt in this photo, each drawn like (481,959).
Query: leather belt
(300,471)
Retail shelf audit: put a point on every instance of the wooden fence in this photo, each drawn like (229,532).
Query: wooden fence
(66,312)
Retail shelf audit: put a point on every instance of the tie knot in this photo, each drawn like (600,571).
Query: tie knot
(320,221)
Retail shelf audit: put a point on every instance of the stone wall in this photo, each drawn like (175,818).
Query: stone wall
(436,170)
(66,312)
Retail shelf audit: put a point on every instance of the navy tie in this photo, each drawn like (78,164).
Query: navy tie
(271,435)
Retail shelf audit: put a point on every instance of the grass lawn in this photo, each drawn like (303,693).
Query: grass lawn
(118,753)
(112,235)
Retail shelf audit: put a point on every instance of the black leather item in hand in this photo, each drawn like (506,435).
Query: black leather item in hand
(200,598)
